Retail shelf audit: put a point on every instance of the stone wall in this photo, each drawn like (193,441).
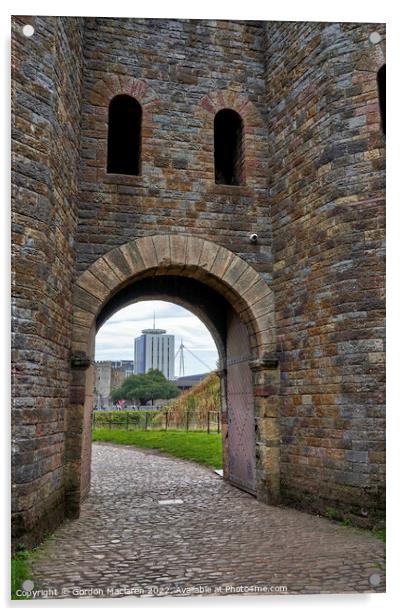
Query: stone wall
(103,383)
(107,378)
(182,73)
(314,194)
(46,84)
(327,178)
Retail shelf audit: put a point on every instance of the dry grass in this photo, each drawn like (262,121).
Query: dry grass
(198,401)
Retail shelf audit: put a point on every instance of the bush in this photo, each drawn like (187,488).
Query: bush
(133,417)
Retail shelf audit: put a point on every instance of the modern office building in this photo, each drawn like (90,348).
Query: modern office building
(154,349)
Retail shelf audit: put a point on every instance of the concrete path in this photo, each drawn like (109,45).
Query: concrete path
(218,540)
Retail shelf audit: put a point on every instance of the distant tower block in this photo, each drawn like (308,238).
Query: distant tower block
(154,350)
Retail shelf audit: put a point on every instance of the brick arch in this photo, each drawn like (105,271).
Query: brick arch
(255,168)
(112,85)
(216,266)
(372,60)
(228,99)
(367,68)
(102,92)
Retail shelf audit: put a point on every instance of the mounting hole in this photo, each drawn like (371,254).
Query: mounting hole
(28,30)
(28,585)
(374,579)
(375,37)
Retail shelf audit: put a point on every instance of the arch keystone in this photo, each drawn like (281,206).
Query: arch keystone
(162,250)
(193,253)
(146,248)
(178,246)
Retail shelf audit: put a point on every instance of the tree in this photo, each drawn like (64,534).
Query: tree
(143,387)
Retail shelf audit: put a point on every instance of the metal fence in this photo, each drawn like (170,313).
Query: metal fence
(156,419)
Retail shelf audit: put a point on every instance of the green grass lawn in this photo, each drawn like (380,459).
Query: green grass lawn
(380,534)
(19,573)
(198,447)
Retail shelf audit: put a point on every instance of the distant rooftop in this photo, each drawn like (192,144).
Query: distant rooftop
(190,380)
(154,331)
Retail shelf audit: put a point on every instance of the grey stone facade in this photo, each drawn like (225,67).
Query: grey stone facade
(107,378)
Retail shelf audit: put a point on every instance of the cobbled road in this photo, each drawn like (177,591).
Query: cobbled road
(219,540)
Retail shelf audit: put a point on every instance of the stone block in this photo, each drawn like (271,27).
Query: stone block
(103,271)
(117,261)
(208,256)
(268,430)
(146,248)
(93,285)
(133,257)
(162,248)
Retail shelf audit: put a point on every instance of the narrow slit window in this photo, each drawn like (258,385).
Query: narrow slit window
(229,148)
(124,136)
(381,94)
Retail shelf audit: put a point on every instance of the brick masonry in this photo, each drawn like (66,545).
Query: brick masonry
(327,161)
(46,99)
(314,194)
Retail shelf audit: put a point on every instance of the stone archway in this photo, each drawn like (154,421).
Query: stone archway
(252,318)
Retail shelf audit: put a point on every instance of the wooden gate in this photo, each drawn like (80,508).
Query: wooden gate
(240,406)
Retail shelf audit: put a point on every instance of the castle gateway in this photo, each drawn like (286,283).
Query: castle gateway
(237,169)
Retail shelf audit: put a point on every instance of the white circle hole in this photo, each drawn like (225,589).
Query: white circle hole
(28,585)
(375,37)
(28,30)
(374,579)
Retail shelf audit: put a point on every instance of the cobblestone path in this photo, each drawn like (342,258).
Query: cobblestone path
(218,540)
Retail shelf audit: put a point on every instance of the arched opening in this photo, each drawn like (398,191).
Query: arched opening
(229,148)
(236,306)
(157,373)
(124,136)
(148,335)
(381,83)
(231,339)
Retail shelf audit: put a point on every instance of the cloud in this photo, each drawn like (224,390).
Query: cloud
(115,339)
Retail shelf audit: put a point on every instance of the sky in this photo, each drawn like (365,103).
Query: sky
(115,338)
